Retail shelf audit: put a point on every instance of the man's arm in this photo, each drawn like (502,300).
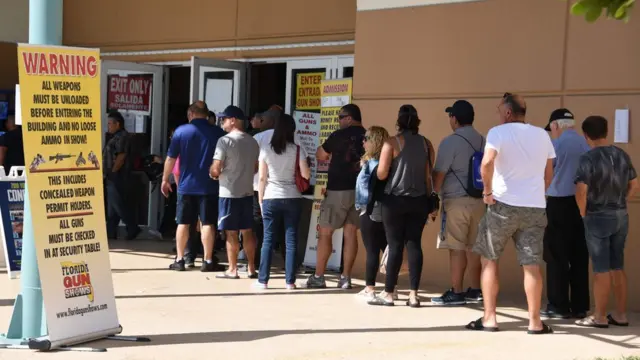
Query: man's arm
(486,170)
(165,188)
(322,155)
(548,174)
(216,169)
(218,159)
(581,197)
(118,162)
(442,165)
(324,151)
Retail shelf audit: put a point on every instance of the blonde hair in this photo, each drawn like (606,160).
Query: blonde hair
(377,136)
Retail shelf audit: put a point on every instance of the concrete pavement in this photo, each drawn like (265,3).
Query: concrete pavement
(193,315)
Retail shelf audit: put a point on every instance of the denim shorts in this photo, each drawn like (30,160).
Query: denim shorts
(606,234)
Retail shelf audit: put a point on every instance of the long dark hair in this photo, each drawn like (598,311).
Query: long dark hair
(283,131)
(408,119)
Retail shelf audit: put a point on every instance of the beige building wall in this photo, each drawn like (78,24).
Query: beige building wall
(193,24)
(431,55)
(14,28)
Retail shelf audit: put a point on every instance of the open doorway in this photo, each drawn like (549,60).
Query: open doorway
(268,86)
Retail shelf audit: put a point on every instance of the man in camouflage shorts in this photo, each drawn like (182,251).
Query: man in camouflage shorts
(516,169)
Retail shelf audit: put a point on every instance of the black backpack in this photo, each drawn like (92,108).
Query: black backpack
(474,186)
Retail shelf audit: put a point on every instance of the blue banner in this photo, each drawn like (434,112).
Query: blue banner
(12,212)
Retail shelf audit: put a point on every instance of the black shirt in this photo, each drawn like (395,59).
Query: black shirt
(346,149)
(118,143)
(12,140)
(606,171)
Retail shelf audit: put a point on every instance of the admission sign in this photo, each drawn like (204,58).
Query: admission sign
(61,112)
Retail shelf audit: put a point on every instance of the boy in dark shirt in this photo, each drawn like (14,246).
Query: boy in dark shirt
(605,180)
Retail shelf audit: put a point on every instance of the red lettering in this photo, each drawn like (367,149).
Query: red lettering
(30,61)
(43,69)
(60,64)
(53,62)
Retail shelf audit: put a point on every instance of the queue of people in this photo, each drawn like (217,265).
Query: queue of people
(561,199)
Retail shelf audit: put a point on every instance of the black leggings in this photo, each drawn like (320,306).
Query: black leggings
(404,218)
(375,241)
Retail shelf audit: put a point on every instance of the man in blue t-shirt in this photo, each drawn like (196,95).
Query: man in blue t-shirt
(195,143)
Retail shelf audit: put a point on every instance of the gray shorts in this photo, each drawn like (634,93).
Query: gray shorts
(502,222)
(339,208)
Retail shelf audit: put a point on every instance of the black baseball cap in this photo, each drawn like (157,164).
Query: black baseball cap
(232,112)
(460,108)
(559,114)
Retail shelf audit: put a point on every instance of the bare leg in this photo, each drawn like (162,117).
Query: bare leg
(207,235)
(182,236)
(233,248)
(474,266)
(601,292)
(620,292)
(350,248)
(457,267)
(249,246)
(533,289)
(325,247)
(490,289)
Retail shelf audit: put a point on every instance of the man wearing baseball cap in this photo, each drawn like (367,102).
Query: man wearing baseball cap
(565,249)
(234,164)
(462,208)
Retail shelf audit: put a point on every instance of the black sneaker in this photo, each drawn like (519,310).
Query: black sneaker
(190,261)
(449,298)
(550,313)
(211,267)
(474,295)
(177,266)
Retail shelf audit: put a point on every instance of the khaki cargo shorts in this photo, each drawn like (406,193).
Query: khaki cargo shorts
(460,228)
(502,222)
(339,208)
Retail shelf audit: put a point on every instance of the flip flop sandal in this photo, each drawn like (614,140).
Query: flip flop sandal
(546,329)
(378,301)
(227,276)
(591,322)
(615,322)
(477,326)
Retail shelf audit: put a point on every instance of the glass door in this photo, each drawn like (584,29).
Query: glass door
(219,83)
(136,91)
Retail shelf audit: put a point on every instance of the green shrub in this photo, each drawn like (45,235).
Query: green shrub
(592,10)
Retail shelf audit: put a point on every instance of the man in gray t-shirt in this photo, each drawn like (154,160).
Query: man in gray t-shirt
(461,212)
(234,164)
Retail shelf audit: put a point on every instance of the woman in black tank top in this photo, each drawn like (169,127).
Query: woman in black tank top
(405,162)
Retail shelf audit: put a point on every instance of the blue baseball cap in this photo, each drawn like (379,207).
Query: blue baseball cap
(232,112)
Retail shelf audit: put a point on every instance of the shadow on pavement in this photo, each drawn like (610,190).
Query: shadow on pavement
(245,336)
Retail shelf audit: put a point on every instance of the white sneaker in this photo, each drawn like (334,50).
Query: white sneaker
(366,295)
(291,287)
(260,286)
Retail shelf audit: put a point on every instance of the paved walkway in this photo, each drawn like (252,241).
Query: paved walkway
(195,316)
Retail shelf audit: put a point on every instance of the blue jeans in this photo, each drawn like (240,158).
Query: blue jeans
(275,212)
(606,233)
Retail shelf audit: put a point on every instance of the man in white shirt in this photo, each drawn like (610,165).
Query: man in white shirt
(517,169)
